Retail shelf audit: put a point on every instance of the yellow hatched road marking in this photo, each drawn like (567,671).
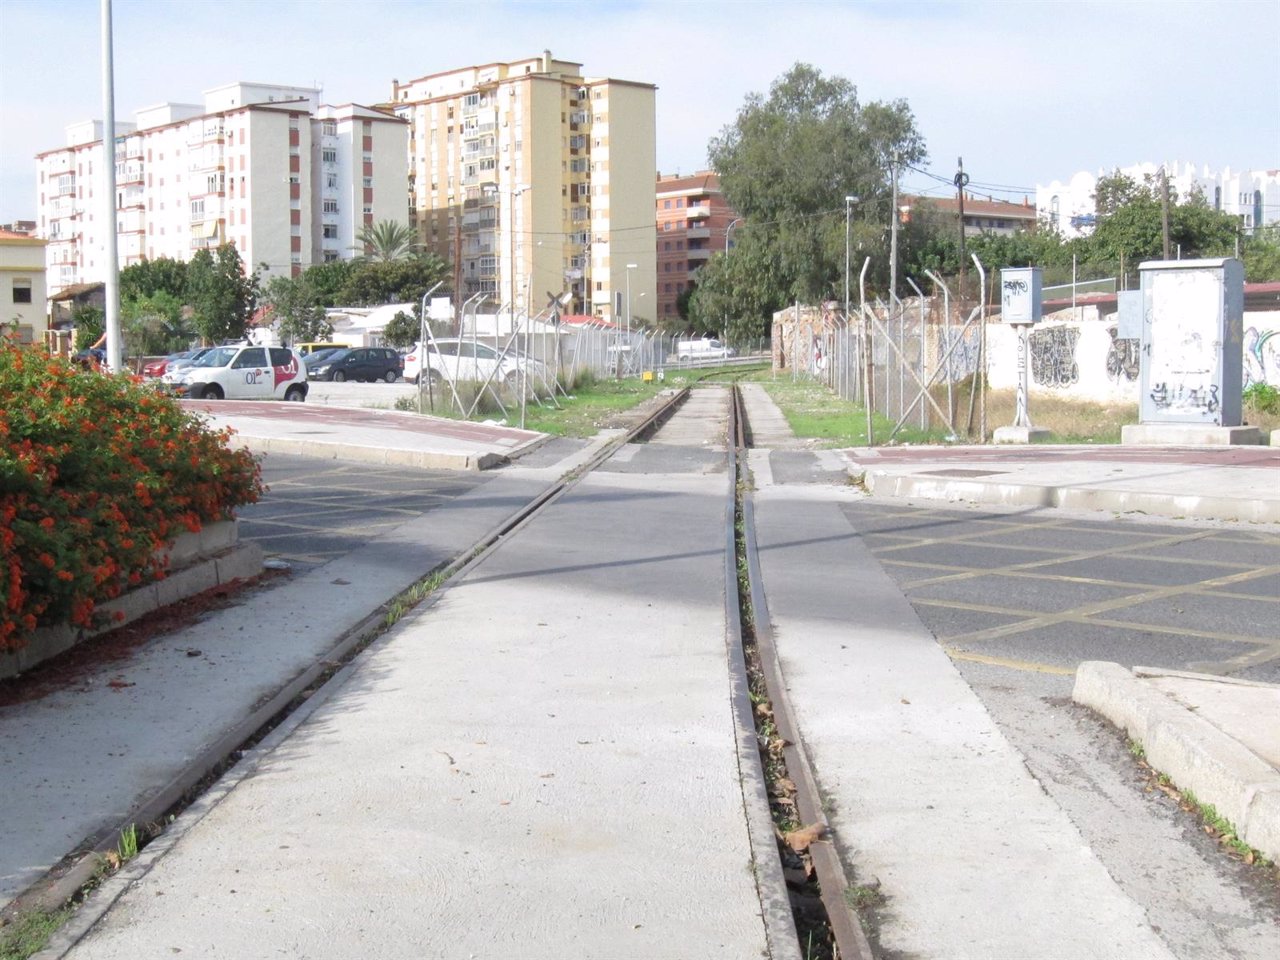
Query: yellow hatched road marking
(1028,666)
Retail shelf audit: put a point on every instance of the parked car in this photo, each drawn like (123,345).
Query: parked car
(707,349)
(242,372)
(184,363)
(462,359)
(315,356)
(358,363)
(157,368)
(306,349)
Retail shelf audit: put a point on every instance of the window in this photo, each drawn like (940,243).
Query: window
(330,231)
(331,181)
(666,204)
(21,291)
(329,155)
(330,206)
(329,128)
(330,256)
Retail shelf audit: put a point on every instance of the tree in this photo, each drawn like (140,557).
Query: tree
(786,165)
(149,277)
(403,330)
(89,322)
(153,325)
(295,304)
(221,296)
(328,279)
(375,282)
(388,240)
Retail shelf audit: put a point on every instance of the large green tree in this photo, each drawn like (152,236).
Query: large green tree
(221,296)
(375,282)
(328,279)
(149,277)
(786,165)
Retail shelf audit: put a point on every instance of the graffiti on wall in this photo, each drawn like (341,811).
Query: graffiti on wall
(1180,398)
(1053,356)
(1261,357)
(1122,357)
(963,359)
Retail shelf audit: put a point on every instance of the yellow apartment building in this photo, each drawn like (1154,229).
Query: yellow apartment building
(531,179)
(23,299)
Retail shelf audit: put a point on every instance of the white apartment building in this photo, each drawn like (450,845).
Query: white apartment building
(530,179)
(1253,196)
(265,167)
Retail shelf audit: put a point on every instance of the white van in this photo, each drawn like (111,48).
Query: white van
(705,349)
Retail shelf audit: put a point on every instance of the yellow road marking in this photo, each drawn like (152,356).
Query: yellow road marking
(1024,665)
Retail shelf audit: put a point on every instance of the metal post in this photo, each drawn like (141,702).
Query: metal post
(982,345)
(924,373)
(422,344)
(110,225)
(868,393)
(946,327)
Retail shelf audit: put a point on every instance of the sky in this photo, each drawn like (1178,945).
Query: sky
(1026,91)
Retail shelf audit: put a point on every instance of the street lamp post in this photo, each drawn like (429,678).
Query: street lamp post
(849,201)
(630,267)
(728,231)
(516,191)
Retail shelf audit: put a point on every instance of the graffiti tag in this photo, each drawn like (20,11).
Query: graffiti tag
(1053,356)
(1122,357)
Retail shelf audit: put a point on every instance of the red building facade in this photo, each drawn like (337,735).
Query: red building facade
(693,223)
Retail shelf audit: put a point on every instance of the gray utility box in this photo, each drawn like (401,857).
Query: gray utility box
(1192,341)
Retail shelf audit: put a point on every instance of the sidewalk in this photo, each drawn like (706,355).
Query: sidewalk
(1200,730)
(1203,483)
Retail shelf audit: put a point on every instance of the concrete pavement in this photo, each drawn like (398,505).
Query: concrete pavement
(1114,478)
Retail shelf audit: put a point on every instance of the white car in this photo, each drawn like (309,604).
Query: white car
(242,372)
(463,359)
(702,350)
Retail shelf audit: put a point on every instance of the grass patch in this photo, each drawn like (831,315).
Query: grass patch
(591,405)
(815,412)
(30,932)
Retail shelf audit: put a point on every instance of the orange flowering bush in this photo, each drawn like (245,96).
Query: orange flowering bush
(96,473)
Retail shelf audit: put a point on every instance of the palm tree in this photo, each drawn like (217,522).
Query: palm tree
(388,240)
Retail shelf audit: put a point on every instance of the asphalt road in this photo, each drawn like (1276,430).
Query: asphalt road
(316,510)
(1019,597)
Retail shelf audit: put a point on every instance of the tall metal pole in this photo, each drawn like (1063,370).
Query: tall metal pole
(961,181)
(1164,209)
(109,225)
(893,231)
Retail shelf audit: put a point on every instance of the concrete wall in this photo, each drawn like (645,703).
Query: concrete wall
(1082,359)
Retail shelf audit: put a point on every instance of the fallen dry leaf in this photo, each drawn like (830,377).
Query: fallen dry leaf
(799,840)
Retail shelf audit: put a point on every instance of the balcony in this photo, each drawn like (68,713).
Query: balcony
(128,173)
(700,255)
(210,133)
(698,233)
(698,213)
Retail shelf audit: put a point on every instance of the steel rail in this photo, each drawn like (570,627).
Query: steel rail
(846,929)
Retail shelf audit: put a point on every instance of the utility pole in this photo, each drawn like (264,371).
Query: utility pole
(893,233)
(961,181)
(1164,209)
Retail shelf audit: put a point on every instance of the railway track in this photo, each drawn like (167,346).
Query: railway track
(800,881)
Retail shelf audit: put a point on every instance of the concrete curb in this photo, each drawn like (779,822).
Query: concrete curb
(204,570)
(1192,752)
(889,483)
(421,459)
